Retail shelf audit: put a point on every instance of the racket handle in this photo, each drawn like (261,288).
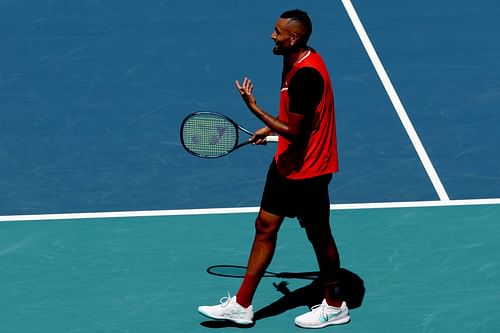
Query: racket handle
(272,138)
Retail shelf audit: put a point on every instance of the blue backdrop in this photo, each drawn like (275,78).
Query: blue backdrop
(92,94)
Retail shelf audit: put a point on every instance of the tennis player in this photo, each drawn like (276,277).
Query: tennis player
(298,178)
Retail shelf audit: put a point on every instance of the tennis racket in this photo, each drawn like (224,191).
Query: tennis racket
(235,271)
(210,135)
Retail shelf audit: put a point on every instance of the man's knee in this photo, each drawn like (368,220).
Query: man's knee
(267,224)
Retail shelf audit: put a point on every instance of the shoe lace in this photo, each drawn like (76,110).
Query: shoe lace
(318,308)
(224,301)
(321,310)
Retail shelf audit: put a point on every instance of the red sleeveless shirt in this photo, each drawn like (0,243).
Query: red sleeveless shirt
(314,154)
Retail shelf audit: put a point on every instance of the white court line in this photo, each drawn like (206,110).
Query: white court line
(396,102)
(213,211)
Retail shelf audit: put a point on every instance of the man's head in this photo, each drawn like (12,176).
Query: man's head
(291,32)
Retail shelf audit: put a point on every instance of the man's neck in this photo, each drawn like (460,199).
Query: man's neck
(293,57)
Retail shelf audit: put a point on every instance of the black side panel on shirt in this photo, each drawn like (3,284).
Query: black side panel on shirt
(305,91)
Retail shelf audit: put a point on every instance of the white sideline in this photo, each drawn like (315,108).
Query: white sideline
(211,211)
(396,102)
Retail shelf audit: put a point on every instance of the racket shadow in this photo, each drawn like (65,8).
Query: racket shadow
(352,291)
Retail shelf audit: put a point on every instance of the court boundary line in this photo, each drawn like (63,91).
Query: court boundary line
(396,102)
(240,210)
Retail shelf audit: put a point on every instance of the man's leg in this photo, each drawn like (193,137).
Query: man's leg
(316,221)
(332,311)
(321,238)
(238,308)
(267,226)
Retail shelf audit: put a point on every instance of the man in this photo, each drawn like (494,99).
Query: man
(298,178)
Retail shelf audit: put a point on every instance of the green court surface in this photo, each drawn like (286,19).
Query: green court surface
(430,269)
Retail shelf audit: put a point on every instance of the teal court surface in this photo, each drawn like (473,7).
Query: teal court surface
(425,269)
(108,225)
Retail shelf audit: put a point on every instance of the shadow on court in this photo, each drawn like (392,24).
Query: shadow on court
(352,291)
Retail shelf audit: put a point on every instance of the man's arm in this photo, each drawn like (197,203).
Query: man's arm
(288,130)
(305,91)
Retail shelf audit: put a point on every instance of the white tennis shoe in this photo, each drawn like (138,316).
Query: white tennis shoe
(228,309)
(323,315)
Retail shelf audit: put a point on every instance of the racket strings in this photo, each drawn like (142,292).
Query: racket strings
(209,135)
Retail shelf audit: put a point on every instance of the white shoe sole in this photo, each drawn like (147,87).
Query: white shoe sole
(340,321)
(237,321)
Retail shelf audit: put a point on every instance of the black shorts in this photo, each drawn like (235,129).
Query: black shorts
(305,198)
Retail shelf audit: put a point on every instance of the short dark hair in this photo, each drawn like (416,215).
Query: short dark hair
(303,19)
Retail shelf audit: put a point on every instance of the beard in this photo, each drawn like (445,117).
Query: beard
(284,51)
(279,50)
